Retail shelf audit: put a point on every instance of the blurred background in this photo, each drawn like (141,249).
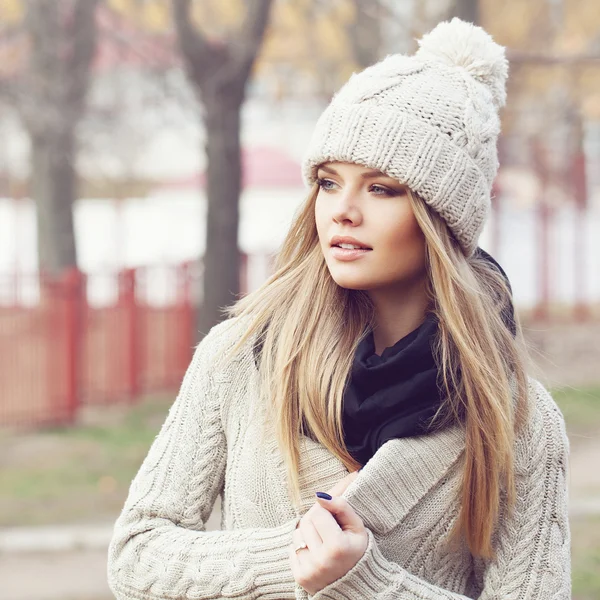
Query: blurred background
(149,169)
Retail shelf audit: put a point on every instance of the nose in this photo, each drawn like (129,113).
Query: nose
(346,210)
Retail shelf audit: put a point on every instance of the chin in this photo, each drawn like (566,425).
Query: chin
(352,282)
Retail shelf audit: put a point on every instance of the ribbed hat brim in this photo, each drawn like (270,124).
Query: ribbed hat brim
(411,151)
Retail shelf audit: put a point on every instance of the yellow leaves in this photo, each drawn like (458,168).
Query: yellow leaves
(11,11)
(333,39)
(564,32)
(310,37)
(13,52)
(583,16)
(591,106)
(537,26)
(515,23)
(581,25)
(588,88)
(214,18)
(152,15)
(157,15)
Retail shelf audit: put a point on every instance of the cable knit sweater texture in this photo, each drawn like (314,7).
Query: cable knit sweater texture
(217,440)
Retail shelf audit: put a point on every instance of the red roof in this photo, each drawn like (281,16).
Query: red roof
(122,42)
(262,166)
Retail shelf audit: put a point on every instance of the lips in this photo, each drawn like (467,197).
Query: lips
(349,241)
(347,249)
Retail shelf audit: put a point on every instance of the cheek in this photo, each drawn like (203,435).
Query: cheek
(405,245)
(321,220)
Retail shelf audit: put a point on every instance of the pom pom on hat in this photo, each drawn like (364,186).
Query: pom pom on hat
(429,120)
(465,45)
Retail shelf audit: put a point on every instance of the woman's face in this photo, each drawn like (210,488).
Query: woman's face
(361,207)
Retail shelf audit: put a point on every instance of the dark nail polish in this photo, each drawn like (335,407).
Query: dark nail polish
(323,495)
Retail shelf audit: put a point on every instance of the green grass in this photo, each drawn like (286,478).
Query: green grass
(78,473)
(82,473)
(581,409)
(585,534)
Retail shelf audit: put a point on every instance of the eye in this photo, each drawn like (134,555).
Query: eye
(327,186)
(322,183)
(383,191)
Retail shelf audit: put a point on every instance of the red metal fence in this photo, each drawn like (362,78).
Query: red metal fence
(111,337)
(92,339)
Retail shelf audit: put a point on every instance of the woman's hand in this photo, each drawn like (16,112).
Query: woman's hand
(340,487)
(336,539)
(337,490)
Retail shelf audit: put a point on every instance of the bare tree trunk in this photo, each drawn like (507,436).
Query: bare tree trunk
(53,185)
(62,37)
(365,32)
(218,71)
(467,10)
(221,258)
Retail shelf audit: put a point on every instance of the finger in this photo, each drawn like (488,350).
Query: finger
(340,487)
(343,513)
(298,537)
(325,523)
(350,479)
(301,557)
(310,534)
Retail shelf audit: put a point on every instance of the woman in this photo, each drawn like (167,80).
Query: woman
(385,340)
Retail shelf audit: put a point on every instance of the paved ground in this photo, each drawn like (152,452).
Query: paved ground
(79,575)
(565,353)
(58,563)
(70,562)
(584,481)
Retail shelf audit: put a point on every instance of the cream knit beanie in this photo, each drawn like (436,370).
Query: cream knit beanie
(429,120)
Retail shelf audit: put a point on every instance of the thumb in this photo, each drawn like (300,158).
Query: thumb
(340,487)
(343,513)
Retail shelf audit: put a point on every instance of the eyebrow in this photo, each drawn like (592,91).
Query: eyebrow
(366,175)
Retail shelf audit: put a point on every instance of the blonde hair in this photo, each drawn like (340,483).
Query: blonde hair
(299,311)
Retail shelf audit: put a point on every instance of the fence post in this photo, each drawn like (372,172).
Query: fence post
(51,306)
(73,290)
(579,182)
(543,222)
(187,317)
(129,304)
(244,273)
(543,264)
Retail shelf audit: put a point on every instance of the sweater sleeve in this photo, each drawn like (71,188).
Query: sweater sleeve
(160,548)
(533,545)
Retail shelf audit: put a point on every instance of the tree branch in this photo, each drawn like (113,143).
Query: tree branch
(467,10)
(43,83)
(253,28)
(197,53)
(216,65)
(11,92)
(83,35)
(364,32)
(246,46)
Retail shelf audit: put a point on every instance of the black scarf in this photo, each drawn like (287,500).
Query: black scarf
(393,395)
(398,393)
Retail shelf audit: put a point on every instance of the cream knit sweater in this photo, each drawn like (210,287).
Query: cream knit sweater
(216,440)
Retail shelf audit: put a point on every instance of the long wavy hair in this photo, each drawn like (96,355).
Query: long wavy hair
(309,328)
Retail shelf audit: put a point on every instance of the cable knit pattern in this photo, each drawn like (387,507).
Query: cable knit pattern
(218,439)
(429,120)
